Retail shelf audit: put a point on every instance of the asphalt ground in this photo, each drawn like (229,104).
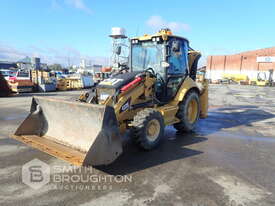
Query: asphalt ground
(228,160)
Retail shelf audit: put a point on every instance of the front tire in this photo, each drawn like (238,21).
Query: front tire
(188,113)
(148,128)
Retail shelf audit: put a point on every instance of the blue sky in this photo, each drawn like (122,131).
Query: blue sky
(58,29)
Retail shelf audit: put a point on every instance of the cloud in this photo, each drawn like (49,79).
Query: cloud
(10,53)
(79,4)
(157,22)
(64,56)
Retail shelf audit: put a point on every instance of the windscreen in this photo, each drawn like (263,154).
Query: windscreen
(147,55)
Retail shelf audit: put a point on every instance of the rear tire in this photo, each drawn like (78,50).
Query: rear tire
(148,128)
(188,113)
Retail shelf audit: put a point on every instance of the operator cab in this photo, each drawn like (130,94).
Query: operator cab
(167,55)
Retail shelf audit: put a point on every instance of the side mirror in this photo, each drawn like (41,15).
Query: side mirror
(118,50)
(175,46)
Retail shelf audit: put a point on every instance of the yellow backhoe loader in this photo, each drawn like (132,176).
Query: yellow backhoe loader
(157,88)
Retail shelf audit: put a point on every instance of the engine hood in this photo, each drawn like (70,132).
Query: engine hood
(118,81)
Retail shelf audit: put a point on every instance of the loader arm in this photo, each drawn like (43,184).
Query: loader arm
(133,100)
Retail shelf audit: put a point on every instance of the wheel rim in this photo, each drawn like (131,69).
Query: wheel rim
(153,130)
(192,111)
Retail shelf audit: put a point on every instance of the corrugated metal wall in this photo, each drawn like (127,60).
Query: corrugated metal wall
(243,63)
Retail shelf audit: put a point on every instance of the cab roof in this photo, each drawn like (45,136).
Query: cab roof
(164,33)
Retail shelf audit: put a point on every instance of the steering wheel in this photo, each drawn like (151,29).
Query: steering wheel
(122,68)
(157,75)
(151,71)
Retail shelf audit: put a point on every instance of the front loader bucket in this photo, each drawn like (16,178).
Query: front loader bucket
(80,133)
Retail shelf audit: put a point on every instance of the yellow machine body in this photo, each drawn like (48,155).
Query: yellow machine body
(90,134)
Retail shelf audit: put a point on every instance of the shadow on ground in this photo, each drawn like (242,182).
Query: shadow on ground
(233,116)
(134,159)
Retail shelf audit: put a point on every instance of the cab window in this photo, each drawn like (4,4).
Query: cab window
(178,58)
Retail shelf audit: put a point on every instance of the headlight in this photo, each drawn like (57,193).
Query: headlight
(156,39)
(134,41)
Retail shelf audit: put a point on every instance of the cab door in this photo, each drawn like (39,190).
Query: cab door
(178,66)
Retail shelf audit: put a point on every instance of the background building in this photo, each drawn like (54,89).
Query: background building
(36,63)
(84,63)
(250,63)
(25,63)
